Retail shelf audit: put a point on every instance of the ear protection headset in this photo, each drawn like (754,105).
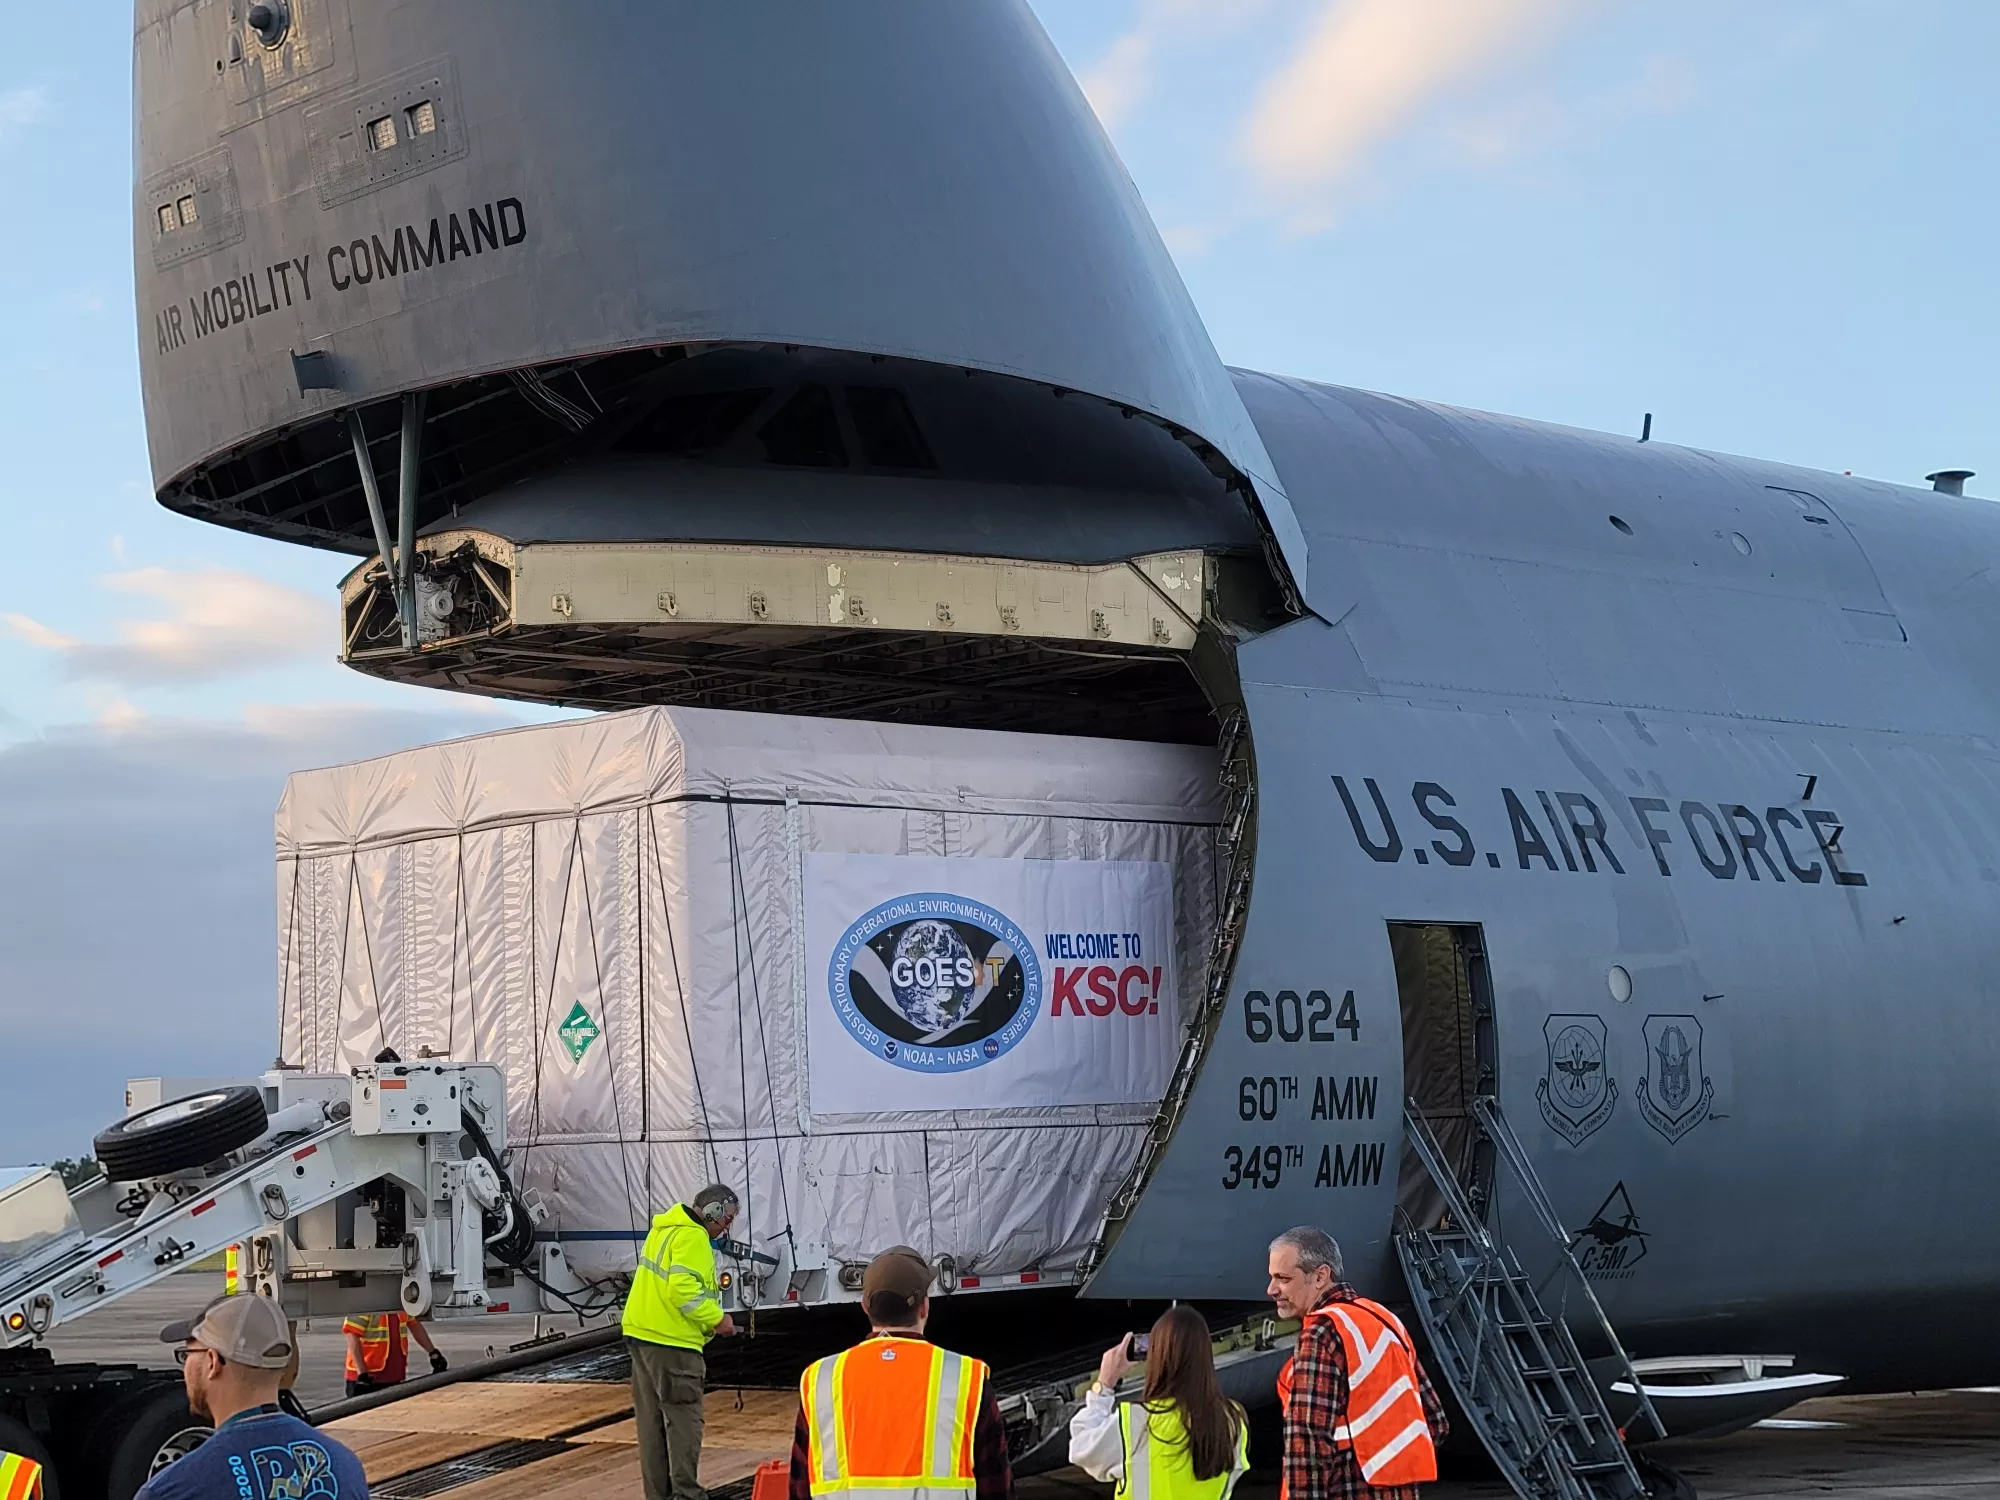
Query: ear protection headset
(715,1213)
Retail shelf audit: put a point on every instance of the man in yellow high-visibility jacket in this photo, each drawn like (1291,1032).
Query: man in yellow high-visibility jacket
(672,1311)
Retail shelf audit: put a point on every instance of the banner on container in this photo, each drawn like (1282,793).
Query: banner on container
(987,983)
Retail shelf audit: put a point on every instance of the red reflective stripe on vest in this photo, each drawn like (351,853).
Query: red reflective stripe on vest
(1384,1423)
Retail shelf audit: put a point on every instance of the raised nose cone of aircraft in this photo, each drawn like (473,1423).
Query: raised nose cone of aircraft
(561,290)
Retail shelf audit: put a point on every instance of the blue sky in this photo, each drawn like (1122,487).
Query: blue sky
(1770,225)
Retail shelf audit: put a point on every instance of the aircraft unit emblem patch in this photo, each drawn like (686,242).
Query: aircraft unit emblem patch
(1675,1095)
(1577,1091)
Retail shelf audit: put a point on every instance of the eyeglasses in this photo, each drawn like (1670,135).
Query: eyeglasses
(181,1354)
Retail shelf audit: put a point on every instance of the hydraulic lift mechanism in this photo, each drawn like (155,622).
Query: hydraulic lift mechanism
(350,1192)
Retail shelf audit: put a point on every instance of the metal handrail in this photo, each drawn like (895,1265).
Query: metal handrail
(1486,1110)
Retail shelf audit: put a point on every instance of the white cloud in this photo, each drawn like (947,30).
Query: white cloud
(1364,72)
(35,633)
(1188,241)
(119,715)
(1120,81)
(20,108)
(212,623)
(1122,77)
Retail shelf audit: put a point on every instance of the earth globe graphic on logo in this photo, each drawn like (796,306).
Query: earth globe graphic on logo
(934,982)
(932,976)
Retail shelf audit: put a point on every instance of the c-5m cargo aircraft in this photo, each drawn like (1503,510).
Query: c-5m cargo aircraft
(1635,806)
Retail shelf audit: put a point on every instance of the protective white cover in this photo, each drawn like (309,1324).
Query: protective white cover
(648,868)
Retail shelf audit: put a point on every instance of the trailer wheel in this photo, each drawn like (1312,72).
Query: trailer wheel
(182,1133)
(140,1435)
(16,1438)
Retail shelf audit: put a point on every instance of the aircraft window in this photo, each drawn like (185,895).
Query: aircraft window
(1740,542)
(187,212)
(1622,524)
(1618,979)
(888,428)
(694,420)
(422,118)
(805,432)
(382,133)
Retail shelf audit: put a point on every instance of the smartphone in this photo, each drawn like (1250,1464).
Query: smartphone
(1137,1345)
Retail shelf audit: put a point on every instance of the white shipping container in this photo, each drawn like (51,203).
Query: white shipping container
(896,984)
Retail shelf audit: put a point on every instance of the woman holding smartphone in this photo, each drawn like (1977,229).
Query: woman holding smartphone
(1182,1439)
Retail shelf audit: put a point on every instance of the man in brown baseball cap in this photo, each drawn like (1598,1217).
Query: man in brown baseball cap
(233,1355)
(896,1289)
(896,1410)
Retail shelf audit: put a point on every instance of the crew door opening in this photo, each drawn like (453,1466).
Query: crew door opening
(1448,1058)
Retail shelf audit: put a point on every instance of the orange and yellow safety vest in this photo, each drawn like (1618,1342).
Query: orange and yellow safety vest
(385,1346)
(20,1478)
(892,1419)
(1384,1422)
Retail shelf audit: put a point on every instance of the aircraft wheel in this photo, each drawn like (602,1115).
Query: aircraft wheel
(182,1133)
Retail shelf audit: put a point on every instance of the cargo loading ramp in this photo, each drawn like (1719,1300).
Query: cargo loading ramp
(978,641)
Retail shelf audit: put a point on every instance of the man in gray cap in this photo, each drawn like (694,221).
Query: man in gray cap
(895,1412)
(233,1355)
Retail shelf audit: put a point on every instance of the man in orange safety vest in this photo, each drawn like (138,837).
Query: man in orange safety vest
(896,1416)
(378,1350)
(1361,1419)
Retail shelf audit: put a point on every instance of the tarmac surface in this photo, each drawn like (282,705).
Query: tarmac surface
(1939,1445)
(128,1332)
(1929,1446)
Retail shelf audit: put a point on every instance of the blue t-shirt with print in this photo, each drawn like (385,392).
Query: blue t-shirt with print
(262,1454)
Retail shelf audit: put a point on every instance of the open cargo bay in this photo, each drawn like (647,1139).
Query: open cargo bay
(638,917)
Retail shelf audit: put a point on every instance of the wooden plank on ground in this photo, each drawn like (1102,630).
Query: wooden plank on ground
(385,1454)
(437,1426)
(600,1471)
(764,1418)
(497,1410)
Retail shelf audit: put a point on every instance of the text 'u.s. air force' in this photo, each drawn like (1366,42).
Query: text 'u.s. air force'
(1569,832)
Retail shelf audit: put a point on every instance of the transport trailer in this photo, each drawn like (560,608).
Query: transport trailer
(384,1187)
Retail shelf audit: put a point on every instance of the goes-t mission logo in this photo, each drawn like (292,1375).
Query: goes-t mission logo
(935,983)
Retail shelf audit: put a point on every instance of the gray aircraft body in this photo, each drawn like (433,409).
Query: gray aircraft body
(823,358)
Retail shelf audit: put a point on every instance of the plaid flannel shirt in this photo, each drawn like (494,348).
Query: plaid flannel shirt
(1314,1468)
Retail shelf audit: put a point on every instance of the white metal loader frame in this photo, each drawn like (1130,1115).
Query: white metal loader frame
(329,1136)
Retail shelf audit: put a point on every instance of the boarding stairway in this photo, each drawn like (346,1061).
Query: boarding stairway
(1514,1366)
